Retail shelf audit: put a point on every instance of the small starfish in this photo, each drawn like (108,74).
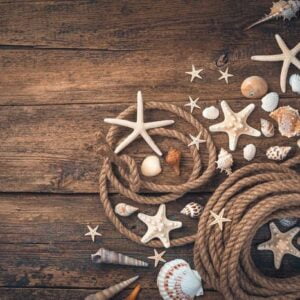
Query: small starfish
(93,232)
(235,124)
(281,244)
(158,226)
(288,56)
(139,127)
(225,75)
(219,219)
(194,73)
(157,257)
(196,140)
(192,104)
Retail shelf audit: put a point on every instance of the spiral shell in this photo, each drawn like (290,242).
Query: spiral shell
(277,152)
(125,210)
(225,161)
(176,280)
(267,128)
(192,210)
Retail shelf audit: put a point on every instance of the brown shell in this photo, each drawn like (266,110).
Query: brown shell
(173,159)
(254,87)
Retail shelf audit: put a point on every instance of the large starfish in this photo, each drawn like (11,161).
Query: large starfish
(288,56)
(280,244)
(235,124)
(139,127)
(158,226)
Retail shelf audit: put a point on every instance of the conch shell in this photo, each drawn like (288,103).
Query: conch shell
(111,291)
(125,210)
(134,293)
(225,161)
(277,152)
(288,120)
(192,210)
(173,159)
(111,257)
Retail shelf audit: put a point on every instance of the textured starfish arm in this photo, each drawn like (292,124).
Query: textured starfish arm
(151,143)
(174,224)
(245,113)
(283,75)
(252,131)
(217,127)
(120,122)
(282,45)
(275,57)
(156,124)
(127,141)
(233,140)
(148,236)
(226,109)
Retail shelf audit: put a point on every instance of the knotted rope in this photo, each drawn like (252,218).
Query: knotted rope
(129,170)
(251,197)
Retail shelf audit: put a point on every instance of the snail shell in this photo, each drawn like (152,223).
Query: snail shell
(192,210)
(254,87)
(125,210)
(277,152)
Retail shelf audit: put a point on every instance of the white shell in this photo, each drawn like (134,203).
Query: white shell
(278,153)
(225,161)
(211,113)
(125,210)
(295,83)
(192,210)
(298,143)
(151,166)
(288,222)
(176,280)
(249,152)
(267,128)
(270,101)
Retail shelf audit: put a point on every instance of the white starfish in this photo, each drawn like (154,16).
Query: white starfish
(235,124)
(158,226)
(139,127)
(194,73)
(225,75)
(93,232)
(157,257)
(219,219)
(196,140)
(288,56)
(192,104)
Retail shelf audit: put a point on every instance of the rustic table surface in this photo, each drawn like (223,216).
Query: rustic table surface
(64,66)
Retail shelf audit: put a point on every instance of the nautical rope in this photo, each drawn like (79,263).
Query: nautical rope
(251,196)
(129,171)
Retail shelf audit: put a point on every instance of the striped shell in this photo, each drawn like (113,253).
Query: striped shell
(192,210)
(277,152)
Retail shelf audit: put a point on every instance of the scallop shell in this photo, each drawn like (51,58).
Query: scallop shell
(270,101)
(192,210)
(151,166)
(288,120)
(295,83)
(125,210)
(173,159)
(249,152)
(176,280)
(277,152)
(254,87)
(211,113)
(288,222)
(225,161)
(267,128)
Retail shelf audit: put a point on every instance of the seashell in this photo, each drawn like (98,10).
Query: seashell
(254,87)
(298,143)
(192,210)
(173,159)
(225,161)
(211,113)
(176,280)
(133,295)
(288,222)
(295,83)
(277,152)
(125,210)
(151,166)
(111,257)
(270,101)
(267,128)
(111,291)
(288,120)
(249,152)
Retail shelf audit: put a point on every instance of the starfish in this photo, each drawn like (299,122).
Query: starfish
(194,73)
(139,127)
(196,140)
(219,219)
(225,75)
(157,257)
(192,104)
(158,226)
(288,56)
(93,232)
(280,244)
(235,124)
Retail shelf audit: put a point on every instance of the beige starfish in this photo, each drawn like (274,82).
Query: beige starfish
(288,56)
(280,244)
(93,232)
(157,257)
(219,219)
(193,104)
(235,124)
(196,140)
(158,226)
(225,75)
(194,73)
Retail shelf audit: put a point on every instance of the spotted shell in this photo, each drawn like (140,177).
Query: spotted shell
(225,161)
(192,210)
(278,153)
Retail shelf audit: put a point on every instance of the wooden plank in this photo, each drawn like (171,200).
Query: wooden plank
(52,148)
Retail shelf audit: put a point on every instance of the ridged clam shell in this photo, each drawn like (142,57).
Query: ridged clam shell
(267,128)
(295,83)
(125,210)
(249,152)
(288,222)
(278,153)
(270,101)
(151,166)
(211,113)
(225,161)
(176,280)
(192,210)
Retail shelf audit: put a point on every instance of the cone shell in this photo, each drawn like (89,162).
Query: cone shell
(254,87)
(192,210)
(133,295)
(288,120)
(111,291)
(111,257)
(125,210)
(173,159)
(176,280)
(267,128)
(278,153)
(225,161)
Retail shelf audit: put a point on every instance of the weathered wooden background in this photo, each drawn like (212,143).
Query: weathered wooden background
(64,66)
